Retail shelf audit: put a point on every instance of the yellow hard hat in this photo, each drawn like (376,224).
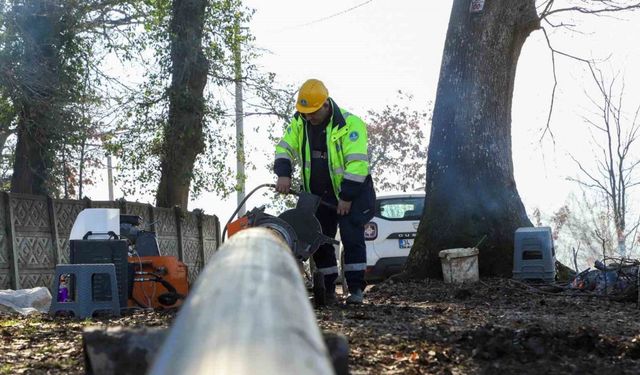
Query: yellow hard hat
(311,96)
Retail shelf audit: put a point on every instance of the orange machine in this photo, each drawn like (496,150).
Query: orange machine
(238,225)
(159,281)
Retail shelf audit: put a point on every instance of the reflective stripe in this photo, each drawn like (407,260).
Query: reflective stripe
(285,145)
(355,267)
(354,177)
(338,170)
(283,156)
(351,157)
(306,165)
(329,270)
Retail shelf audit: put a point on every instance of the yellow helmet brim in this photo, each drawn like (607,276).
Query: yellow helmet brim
(306,110)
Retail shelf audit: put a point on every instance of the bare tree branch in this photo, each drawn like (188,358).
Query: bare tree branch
(606,7)
(615,170)
(593,7)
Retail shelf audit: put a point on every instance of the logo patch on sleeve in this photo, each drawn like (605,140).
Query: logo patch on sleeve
(353,136)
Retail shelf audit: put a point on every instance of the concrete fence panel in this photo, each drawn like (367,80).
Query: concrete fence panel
(34,235)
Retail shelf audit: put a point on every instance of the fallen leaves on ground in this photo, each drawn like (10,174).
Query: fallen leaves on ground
(493,327)
(40,344)
(413,327)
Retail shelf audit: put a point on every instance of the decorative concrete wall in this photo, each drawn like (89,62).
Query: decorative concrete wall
(34,235)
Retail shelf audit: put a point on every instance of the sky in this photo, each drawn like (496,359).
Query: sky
(365,51)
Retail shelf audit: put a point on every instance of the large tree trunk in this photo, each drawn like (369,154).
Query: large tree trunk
(37,95)
(471,191)
(34,159)
(183,135)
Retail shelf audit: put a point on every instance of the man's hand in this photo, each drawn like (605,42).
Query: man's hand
(283,185)
(343,207)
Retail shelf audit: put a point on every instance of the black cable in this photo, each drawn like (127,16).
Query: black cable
(224,231)
(325,17)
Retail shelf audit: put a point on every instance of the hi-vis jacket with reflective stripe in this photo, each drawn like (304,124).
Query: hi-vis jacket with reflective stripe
(346,149)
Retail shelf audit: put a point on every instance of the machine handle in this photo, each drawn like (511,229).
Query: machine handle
(326,204)
(112,234)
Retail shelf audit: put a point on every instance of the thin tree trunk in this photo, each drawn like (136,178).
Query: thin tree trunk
(240,156)
(83,147)
(471,191)
(65,172)
(183,136)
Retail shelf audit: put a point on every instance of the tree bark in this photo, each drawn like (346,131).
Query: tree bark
(37,95)
(183,135)
(471,191)
(32,165)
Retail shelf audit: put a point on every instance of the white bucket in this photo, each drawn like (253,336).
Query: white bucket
(459,265)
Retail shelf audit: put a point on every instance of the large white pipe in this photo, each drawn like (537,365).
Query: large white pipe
(249,313)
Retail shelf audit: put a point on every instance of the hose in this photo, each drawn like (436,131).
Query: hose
(233,215)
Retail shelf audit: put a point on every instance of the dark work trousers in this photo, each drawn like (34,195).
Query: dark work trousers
(355,251)
(325,256)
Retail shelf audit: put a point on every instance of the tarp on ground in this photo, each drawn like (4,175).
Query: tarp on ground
(25,301)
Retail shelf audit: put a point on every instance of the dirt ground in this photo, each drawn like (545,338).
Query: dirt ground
(493,327)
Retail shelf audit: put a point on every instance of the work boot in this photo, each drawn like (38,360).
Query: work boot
(330,299)
(355,297)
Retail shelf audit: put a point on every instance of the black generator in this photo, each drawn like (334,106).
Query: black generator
(105,251)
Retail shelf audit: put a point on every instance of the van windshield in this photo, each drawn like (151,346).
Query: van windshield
(400,208)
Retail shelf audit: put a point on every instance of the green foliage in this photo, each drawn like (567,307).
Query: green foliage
(43,72)
(398,146)
(139,135)
(90,111)
(50,57)
(8,123)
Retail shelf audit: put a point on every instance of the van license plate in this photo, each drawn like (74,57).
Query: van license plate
(405,243)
